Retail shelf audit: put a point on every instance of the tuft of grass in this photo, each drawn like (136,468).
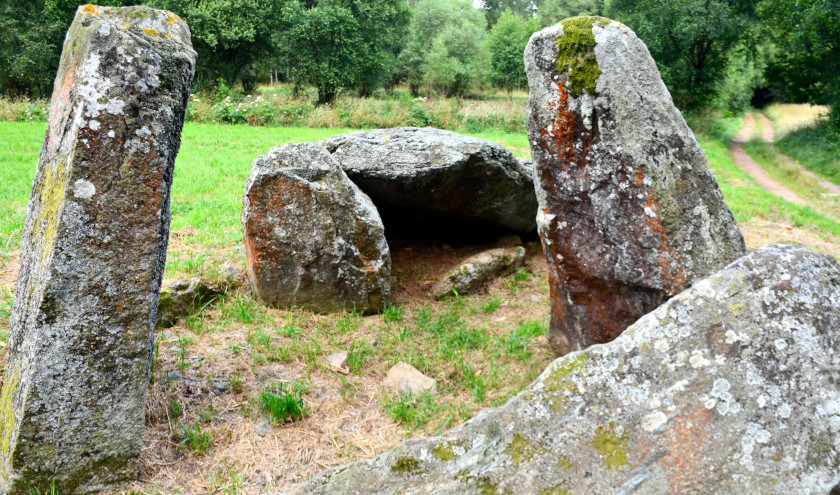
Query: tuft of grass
(491,305)
(357,355)
(392,313)
(518,342)
(282,402)
(410,410)
(195,438)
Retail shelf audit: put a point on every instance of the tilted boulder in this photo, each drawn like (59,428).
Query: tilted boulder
(477,270)
(630,213)
(729,387)
(312,238)
(93,253)
(441,172)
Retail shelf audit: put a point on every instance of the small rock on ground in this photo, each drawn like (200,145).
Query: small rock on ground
(404,379)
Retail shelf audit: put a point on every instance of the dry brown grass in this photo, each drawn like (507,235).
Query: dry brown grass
(788,117)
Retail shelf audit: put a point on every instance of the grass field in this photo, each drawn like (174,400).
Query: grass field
(482,348)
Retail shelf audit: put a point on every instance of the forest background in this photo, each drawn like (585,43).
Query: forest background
(713,54)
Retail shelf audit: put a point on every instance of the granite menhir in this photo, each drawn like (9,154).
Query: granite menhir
(629,212)
(93,252)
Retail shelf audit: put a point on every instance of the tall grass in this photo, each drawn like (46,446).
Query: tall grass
(803,133)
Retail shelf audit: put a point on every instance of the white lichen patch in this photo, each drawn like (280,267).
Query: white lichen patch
(83,189)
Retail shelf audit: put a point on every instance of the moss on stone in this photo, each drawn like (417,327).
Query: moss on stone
(576,55)
(611,445)
(407,465)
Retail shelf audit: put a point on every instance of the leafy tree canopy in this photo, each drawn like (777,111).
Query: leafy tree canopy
(507,41)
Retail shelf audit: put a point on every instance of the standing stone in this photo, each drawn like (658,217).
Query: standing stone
(728,387)
(93,252)
(312,238)
(629,212)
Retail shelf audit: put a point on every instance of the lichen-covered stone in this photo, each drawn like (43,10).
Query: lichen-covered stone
(629,212)
(312,238)
(479,269)
(93,252)
(440,172)
(181,298)
(729,387)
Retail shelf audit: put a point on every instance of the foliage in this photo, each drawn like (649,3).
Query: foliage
(335,44)
(507,42)
(806,65)
(689,39)
(553,11)
(229,36)
(494,9)
(441,52)
(31,36)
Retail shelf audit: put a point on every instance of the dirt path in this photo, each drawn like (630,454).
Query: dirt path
(748,165)
(768,136)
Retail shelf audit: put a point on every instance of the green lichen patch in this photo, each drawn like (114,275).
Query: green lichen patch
(520,449)
(564,463)
(7,417)
(560,381)
(407,465)
(558,489)
(444,451)
(575,53)
(611,443)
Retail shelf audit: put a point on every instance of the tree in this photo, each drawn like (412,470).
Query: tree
(807,67)
(493,9)
(553,11)
(689,39)
(31,39)
(229,36)
(507,41)
(455,30)
(336,44)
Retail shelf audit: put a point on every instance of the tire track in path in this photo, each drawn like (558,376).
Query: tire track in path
(745,162)
(768,136)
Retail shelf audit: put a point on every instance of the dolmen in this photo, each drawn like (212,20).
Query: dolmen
(314,237)
(72,407)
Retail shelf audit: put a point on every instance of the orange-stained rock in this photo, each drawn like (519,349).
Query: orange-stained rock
(312,238)
(629,213)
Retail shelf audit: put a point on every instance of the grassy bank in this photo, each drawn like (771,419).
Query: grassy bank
(803,134)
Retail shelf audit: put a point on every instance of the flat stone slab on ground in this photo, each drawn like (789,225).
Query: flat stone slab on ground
(729,387)
(404,379)
(479,269)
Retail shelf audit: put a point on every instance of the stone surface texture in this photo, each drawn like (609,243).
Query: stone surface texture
(630,213)
(477,270)
(181,298)
(729,387)
(440,172)
(93,252)
(404,379)
(312,238)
